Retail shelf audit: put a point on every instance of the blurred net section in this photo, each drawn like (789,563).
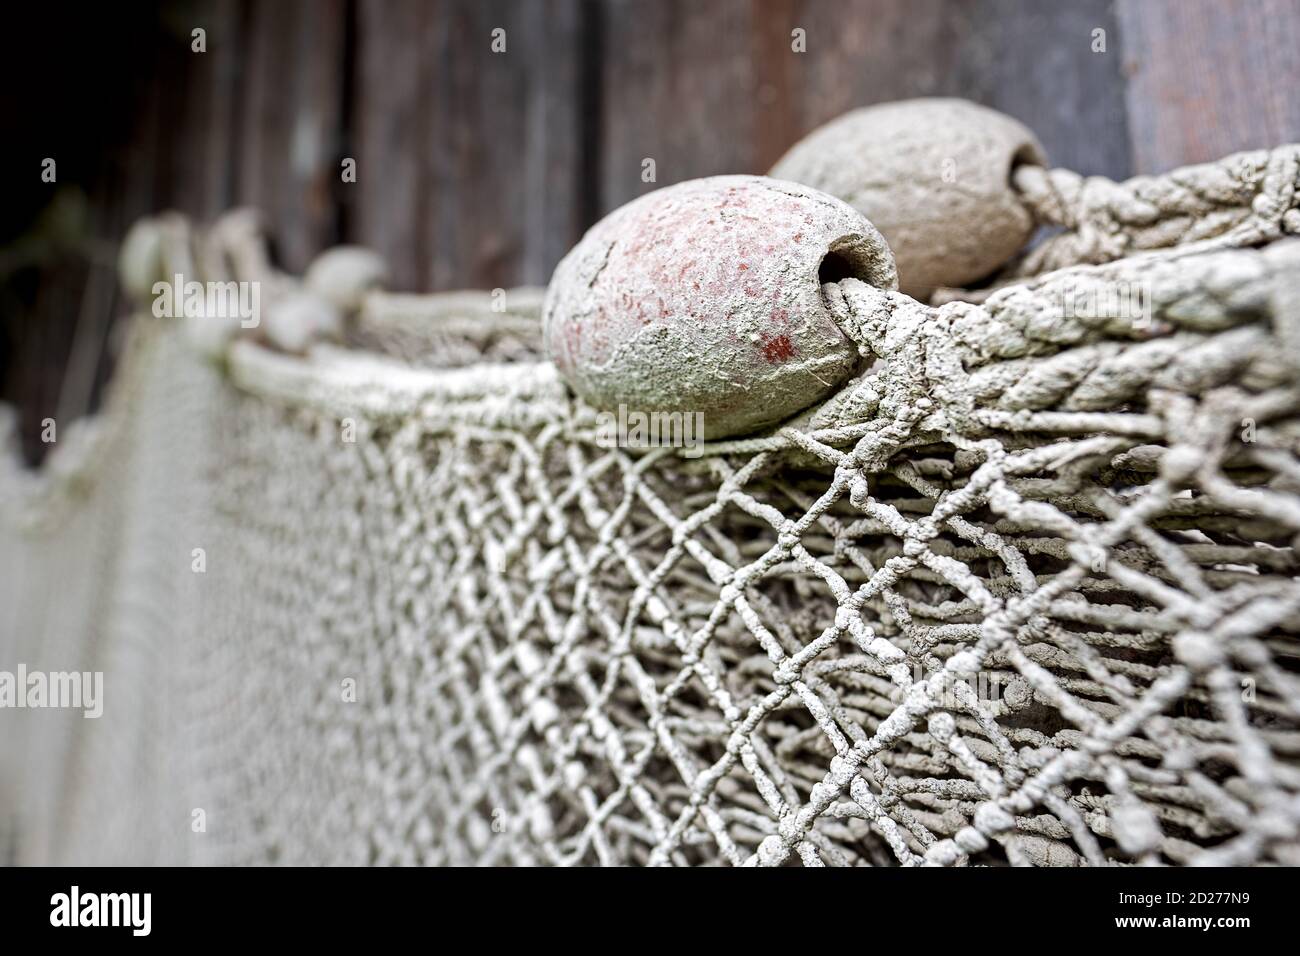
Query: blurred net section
(967,612)
(450,329)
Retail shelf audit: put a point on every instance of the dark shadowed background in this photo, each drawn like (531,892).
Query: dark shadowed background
(480,169)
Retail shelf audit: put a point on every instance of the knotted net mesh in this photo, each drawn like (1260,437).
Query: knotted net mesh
(1024,592)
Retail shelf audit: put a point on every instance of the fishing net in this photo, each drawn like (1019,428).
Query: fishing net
(1023,592)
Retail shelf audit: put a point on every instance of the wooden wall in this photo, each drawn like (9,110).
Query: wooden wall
(480,169)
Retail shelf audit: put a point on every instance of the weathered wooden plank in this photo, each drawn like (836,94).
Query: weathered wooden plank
(678,90)
(475,145)
(469,160)
(197,90)
(291,122)
(857,54)
(1210,77)
(216,107)
(707,89)
(554,172)
(1044,64)
(390,113)
(502,143)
